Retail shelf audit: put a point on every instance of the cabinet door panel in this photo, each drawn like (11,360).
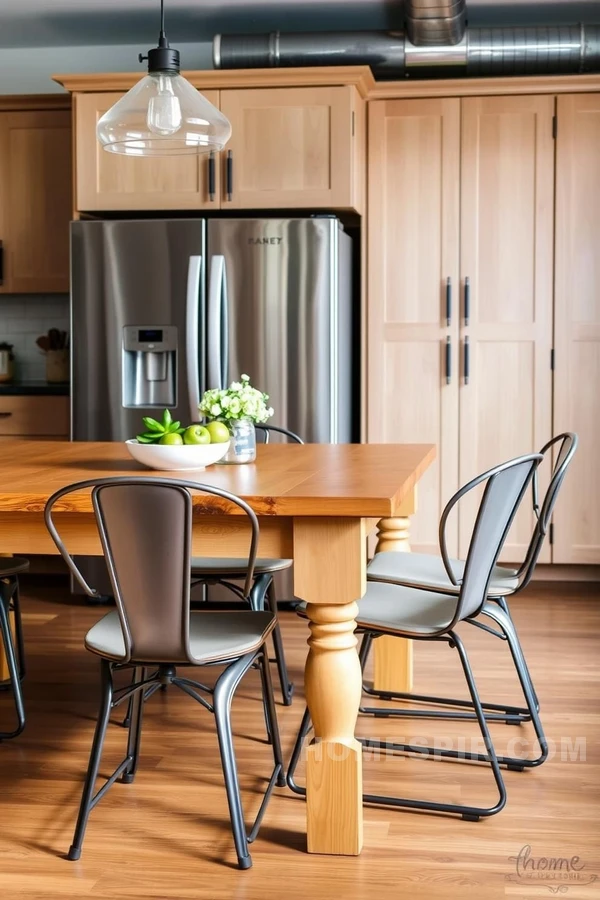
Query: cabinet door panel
(109,181)
(412,251)
(577,324)
(35,168)
(507,190)
(290,148)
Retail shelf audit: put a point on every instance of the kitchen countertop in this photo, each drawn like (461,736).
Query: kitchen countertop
(32,388)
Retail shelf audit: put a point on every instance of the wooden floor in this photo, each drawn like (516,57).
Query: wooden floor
(167,837)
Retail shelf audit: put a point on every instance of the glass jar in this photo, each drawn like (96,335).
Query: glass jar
(242,446)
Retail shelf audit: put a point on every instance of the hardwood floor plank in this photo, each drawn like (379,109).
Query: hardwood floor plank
(167,836)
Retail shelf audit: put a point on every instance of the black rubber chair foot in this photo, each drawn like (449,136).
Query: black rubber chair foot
(245,862)
(281,780)
(287,697)
(512,768)
(74,853)
(127,777)
(468,817)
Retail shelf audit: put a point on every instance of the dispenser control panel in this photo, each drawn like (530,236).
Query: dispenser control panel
(150,338)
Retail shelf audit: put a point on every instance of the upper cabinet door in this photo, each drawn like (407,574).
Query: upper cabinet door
(577,335)
(35,200)
(413,182)
(507,195)
(292,148)
(109,181)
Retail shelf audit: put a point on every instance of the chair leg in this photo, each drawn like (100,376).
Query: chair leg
(135,727)
(87,799)
(305,727)
(222,697)
(271,716)
(16,605)
(13,671)
(287,687)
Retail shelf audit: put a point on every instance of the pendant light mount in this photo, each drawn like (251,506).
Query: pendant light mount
(162,58)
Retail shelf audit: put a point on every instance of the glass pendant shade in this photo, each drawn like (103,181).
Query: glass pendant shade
(163,115)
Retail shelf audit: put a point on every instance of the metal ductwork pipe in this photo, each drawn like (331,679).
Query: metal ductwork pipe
(562,49)
(434,22)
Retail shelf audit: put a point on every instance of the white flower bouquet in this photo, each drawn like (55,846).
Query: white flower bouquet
(239,401)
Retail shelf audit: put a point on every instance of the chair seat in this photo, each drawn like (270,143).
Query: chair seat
(214,636)
(12,565)
(228,567)
(417,569)
(405,610)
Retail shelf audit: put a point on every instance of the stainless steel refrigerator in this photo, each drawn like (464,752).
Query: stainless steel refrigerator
(164,308)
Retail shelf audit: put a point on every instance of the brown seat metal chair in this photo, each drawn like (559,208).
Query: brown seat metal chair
(10,604)
(145,527)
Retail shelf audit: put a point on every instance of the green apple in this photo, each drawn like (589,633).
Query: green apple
(219,432)
(196,434)
(171,438)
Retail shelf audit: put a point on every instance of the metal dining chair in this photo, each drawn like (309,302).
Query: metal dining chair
(442,573)
(10,605)
(424,614)
(213,571)
(145,527)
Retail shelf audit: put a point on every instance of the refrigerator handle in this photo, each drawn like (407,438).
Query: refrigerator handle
(217,323)
(191,334)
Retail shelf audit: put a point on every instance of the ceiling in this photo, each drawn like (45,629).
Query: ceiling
(63,23)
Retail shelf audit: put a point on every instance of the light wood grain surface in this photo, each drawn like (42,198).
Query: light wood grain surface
(358,480)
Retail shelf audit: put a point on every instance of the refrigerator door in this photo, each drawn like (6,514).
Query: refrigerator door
(287,283)
(133,283)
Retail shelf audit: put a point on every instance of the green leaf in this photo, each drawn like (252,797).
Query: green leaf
(167,419)
(174,426)
(145,439)
(152,425)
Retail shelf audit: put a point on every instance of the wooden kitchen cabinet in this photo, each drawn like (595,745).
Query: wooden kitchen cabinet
(577,324)
(34,416)
(35,200)
(108,181)
(293,148)
(414,165)
(506,251)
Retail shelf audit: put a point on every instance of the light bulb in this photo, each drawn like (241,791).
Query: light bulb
(164,109)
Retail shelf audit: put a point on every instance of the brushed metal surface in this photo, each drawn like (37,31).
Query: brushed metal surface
(288,315)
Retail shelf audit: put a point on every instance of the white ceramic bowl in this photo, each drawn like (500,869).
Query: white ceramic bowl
(177,457)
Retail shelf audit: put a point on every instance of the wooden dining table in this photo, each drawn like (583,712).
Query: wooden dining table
(316,503)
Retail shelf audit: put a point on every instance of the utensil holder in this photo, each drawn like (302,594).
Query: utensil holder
(57,366)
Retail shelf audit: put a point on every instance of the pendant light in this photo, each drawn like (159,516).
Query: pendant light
(163,115)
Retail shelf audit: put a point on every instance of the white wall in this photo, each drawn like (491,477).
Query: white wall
(30,70)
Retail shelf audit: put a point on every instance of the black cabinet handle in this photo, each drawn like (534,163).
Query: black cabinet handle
(1,263)
(5,415)
(448,301)
(229,175)
(467,361)
(467,300)
(448,360)
(211,175)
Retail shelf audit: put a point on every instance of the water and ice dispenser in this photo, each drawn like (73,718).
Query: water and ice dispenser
(150,365)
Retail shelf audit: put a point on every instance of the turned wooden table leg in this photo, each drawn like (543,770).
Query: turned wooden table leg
(393,657)
(329,573)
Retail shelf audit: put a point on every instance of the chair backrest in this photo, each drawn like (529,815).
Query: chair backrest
(145,527)
(267,430)
(505,486)
(567,445)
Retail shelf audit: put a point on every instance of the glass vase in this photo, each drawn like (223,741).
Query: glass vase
(242,446)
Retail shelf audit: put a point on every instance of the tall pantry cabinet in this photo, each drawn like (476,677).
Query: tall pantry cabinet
(462,300)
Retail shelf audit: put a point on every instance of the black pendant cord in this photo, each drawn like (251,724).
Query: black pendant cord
(162,58)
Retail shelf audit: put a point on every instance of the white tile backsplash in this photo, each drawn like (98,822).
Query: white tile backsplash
(23,318)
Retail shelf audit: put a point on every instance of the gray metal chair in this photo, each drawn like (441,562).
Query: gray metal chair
(212,571)
(428,615)
(145,526)
(444,574)
(10,602)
